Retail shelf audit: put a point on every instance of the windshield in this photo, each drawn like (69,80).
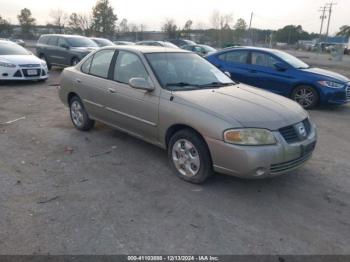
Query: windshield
(12,49)
(81,42)
(170,45)
(292,60)
(208,48)
(183,71)
(103,42)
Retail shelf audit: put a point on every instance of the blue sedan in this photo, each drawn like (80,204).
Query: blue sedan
(284,74)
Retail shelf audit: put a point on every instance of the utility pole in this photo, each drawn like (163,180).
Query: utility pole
(250,28)
(330,7)
(323,17)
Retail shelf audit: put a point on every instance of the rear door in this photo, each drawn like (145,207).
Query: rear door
(236,63)
(266,75)
(93,84)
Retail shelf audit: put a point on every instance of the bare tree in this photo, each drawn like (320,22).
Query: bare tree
(59,19)
(215,19)
(170,28)
(80,23)
(221,24)
(123,26)
(187,28)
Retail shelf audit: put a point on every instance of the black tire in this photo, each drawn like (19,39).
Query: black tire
(74,61)
(43,57)
(309,102)
(205,169)
(84,123)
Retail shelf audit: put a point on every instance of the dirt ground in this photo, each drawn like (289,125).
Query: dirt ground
(103,192)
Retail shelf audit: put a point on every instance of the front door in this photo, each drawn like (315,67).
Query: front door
(133,110)
(266,75)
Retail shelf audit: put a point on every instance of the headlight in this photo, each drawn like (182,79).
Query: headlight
(3,64)
(43,63)
(331,84)
(249,137)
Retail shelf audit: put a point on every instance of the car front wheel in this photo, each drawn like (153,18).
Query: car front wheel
(43,57)
(189,156)
(79,116)
(306,96)
(75,61)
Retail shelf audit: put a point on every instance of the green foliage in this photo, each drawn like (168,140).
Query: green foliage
(344,31)
(5,28)
(103,19)
(240,29)
(26,21)
(291,34)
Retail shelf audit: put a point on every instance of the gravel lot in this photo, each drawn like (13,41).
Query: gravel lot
(103,192)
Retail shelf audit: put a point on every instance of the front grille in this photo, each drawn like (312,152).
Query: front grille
(286,166)
(348,93)
(18,74)
(290,134)
(29,65)
(25,72)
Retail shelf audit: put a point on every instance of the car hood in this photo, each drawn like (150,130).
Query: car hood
(326,73)
(20,59)
(249,106)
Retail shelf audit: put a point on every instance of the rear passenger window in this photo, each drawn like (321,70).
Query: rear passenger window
(128,66)
(100,63)
(52,40)
(235,57)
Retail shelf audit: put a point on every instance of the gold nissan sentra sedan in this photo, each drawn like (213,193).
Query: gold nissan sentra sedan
(180,102)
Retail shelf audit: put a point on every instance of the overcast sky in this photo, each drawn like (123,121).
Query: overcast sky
(271,14)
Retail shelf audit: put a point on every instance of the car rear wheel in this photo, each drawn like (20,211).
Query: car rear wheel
(306,96)
(79,116)
(189,156)
(75,61)
(43,57)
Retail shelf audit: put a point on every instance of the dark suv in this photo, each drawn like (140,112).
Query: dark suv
(64,50)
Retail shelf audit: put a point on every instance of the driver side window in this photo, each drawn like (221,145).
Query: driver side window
(262,59)
(62,42)
(128,65)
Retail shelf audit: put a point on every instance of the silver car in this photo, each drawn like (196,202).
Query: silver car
(178,101)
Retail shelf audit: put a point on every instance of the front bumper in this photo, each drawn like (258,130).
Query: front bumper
(22,73)
(261,161)
(335,96)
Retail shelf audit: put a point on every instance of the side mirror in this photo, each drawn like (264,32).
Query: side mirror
(64,46)
(140,83)
(281,66)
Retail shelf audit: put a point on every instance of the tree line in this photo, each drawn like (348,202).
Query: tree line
(102,21)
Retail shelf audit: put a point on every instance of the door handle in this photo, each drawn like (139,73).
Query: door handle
(78,80)
(112,90)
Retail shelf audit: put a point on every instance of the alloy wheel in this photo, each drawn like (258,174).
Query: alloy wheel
(305,97)
(186,158)
(77,113)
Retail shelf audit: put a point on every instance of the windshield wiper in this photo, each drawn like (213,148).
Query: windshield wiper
(217,84)
(180,84)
